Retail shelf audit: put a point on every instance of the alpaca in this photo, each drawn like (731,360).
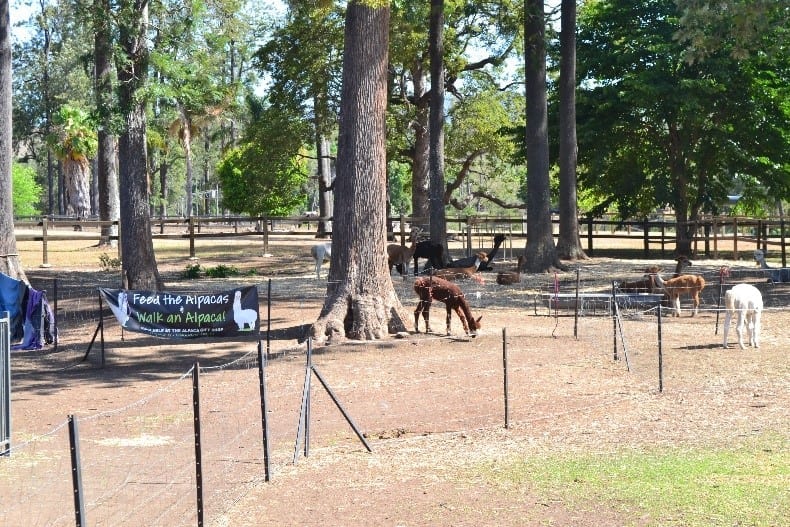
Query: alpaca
(687,284)
(511,277)
(398,256)
(429,289)
(484,264)
(647,284)
(321,253)
(746,300)
(243,317)
(457,273)
(432,251)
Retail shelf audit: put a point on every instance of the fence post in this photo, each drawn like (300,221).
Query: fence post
(782,239)
(265,235)
(590,234)
(504,369)
(735,238)
(44,256)
(198,446)
(191,228)
(715,239)
(646,234)
(76,472)
(5,384)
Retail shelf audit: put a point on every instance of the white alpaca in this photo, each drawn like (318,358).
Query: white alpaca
(243,317)
(321,253)
(746,300)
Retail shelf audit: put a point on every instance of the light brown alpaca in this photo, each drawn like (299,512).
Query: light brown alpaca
(647,284)
(459,273)
(511,277)
(686,284)
(430,288)
(399,256)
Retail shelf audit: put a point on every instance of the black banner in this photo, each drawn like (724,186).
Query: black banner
(231,313)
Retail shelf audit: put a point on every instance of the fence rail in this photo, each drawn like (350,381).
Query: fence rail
(713,235)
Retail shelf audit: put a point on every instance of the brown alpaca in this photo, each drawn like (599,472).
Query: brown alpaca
(511,277)
(430,288)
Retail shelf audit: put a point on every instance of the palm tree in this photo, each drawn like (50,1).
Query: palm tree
(74,142)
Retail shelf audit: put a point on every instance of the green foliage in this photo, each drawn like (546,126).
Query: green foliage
(265,174)
(222,271)
(191,272)
(655,130)
(26,192)
(109,263)
(399,177)
(74,134)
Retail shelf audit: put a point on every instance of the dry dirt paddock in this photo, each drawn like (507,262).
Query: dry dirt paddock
(432,408)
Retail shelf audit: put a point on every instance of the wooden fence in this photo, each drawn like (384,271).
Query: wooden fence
(714,236)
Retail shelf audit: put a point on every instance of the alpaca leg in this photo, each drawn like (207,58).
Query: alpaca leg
(696,304)
(676,302)
(727,320)
(449,317)
(756,330)
(461,316)
(739,328)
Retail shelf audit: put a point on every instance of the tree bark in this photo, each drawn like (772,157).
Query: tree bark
(9,259)
(540,253)
(569,244)
(109,201)
(361,302)
(138,259)
(76,191)
(324,185)
(420,179)
(436,126)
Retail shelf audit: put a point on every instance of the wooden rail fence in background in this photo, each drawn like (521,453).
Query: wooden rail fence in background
(714,235)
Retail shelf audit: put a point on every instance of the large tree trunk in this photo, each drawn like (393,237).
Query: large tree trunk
(109,201)
(420,174)
(361,302)
(9,259)
(569,244)
(539,253)
(436,126)
(139,262)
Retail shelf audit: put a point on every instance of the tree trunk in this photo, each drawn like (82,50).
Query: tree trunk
(420,174)
(324,185)
(361,302)
(76,191)
(569,244)
(436,126)
(139,261)
(186,140)
(539,253)
(9,259)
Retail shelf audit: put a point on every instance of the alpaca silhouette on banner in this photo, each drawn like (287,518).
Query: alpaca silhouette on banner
(244,318)
(121,311)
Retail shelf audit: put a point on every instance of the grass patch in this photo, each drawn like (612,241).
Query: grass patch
(743,485)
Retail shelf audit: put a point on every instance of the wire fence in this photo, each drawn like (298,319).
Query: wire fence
(137,445)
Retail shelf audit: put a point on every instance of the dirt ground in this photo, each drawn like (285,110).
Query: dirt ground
(432,408)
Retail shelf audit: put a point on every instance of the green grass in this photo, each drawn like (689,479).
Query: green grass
(748,484)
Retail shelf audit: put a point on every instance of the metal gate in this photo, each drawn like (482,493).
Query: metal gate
(5,383)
